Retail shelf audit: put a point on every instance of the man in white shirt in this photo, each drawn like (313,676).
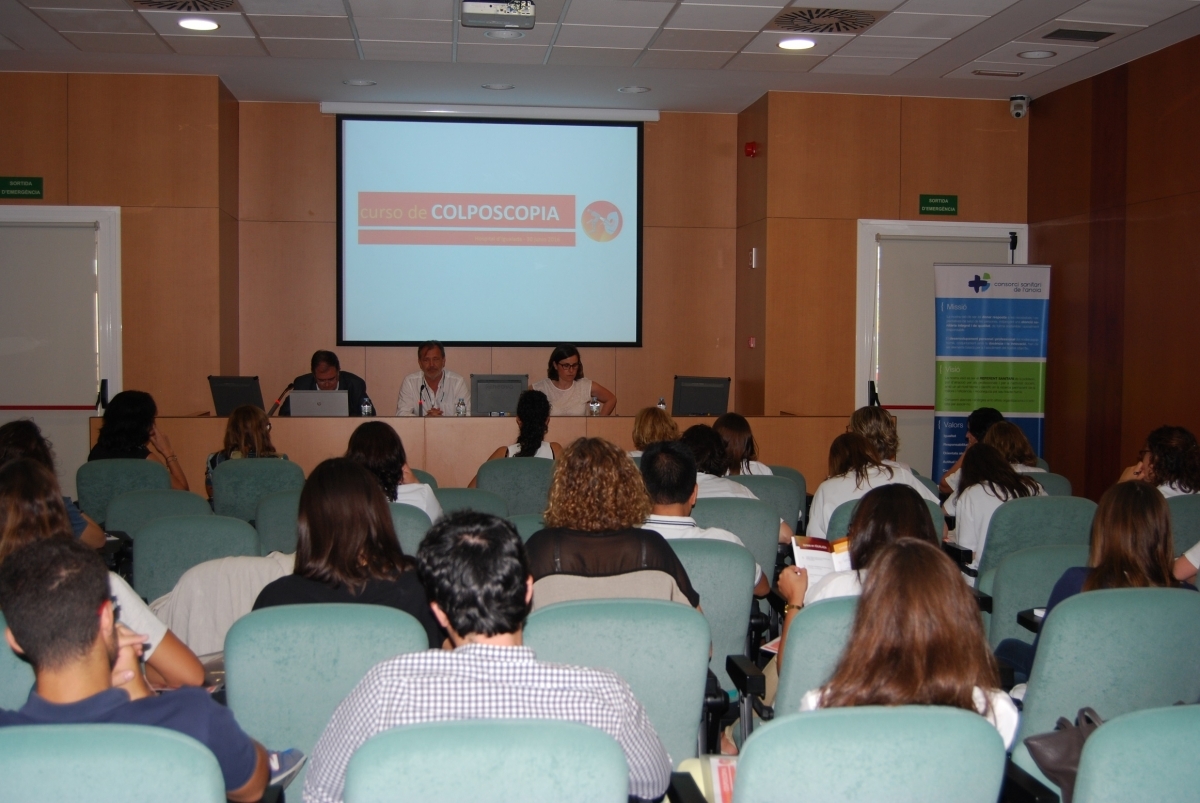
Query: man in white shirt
(433,390)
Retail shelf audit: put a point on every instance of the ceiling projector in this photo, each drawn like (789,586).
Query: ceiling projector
(516,14)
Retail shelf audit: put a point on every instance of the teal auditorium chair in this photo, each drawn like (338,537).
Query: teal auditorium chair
(453,499)
(1117,651)
(489,761)
(1144,755)
(1023,580)
(1042,464)
(527,524)
(1185,521)
(839,522)
(287,668)
(1055,484)
(132,510)
(166,548)
(793,475)
(752,520)
(780,493)
(411,524)
(101,481)
(1035,521)
(723,575)
(523,482)
(16,676)
(275,519)
(425,477)
(238,485)
(106,764)
(902,754)
(660,648)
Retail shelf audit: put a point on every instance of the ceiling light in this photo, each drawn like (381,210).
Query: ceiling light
(358,82)
(498,87)
(1038,54)
(797,44)
(504,34)
(997,73)
(633,90)
(198,24)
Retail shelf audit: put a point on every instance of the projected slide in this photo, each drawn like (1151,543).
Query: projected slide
(489,232)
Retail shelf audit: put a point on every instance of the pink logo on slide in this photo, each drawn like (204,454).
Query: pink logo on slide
(602,221)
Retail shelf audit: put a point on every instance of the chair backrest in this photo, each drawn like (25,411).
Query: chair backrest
(722,574)
(637,460)
(426,477)
(1042,464)
(929,484)
(1143,755)
(752,520)
(132,510)
(275,521)
(238,485)
(16,676)
(1055,484)
(106,764)
(523,482)
(780,493)
(818,634)
(527,524)
(866,754)
(531,760)
(1185,521)
(1024,579)
(839,522)
(659,648)
(288,667)
(100,481)
(166,548)
(793,475)
(452,499)
(1036,521)
(411,524)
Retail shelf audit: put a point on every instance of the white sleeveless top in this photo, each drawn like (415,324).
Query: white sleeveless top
(543,451)
(572,401)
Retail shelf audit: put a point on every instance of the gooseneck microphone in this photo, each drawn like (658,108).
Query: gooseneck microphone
(279,401)
(421,400)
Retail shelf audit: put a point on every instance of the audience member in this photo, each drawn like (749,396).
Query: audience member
(326,374)
(917,640)
(712,463)
(434,390)
(346,548)
(32,509)
(129,428)
(533,421)
(247,434)
(878,426)
(566,388)
(978,424)
(56,601)
(1009,439)
(651,425)
(741,450)
(594,545)
(22,438)
(1170,460)
(376,447)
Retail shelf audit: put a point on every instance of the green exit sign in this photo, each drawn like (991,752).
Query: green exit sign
(939,205)
(29,187)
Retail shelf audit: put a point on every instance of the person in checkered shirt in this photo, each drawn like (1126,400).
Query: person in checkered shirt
(476,575)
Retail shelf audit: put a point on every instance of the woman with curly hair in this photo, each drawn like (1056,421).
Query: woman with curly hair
(376,447)
(594,545)
(878,426)
(1170,460)
(567,389)
(127,430)
(247,434)
(651,425)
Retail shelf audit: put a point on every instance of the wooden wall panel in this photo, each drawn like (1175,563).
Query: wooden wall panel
(229,294)
(690,174)
(33,132)
(1164,123)
(144,140)
(751,319)
(228,149)
(802,443)
(752,172)
(288,163)
(970,148)
(1060,155)
(833,156)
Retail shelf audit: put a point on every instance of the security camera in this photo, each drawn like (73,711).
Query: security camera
(1018,105)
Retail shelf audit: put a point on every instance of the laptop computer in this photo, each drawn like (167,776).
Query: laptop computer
(319,403)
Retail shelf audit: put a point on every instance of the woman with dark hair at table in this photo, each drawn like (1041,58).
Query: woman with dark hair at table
(567,389)
(128,430)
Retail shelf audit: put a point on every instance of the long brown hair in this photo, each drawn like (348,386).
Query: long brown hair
(877,426)
(31,506)
(248,431)
(596,488)
(22,438)
(1132,545)
(885,515)
(376,447)
(1009,439)
(984,465)
(740,446)
(917,637)
(852,452)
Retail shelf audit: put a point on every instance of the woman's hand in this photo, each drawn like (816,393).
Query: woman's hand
(127,669)
(1134,472)
(160,442)
(793,584)
(407,477)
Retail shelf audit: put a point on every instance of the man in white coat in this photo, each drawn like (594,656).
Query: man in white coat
(433,390)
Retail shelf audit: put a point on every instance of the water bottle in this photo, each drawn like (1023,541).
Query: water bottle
(460,409)
(368,409)
(662,403)
(593,406)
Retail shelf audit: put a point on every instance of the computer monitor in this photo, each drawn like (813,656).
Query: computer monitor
(230,392)
(496,394)
(700,395)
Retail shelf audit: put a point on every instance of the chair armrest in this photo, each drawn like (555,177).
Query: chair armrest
(1021,787)
(747,678)
(961,556)
(1029,621)
(984,600)
(683,789)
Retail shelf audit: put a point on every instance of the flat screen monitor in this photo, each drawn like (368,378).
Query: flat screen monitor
(496,394)
(700,395)
(230,392)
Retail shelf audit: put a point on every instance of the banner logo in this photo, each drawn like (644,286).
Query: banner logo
(980,285)
(602,221)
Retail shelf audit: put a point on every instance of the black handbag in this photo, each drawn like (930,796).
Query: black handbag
(1057,753)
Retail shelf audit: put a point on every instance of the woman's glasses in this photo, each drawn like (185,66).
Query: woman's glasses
(568,366)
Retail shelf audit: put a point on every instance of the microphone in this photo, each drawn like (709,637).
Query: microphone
(421,401)
(279,401)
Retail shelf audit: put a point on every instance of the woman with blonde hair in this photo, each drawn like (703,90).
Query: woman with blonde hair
(651,425)
(879,428)
(247,434)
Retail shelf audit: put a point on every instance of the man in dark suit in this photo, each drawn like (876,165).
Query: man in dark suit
(327,374)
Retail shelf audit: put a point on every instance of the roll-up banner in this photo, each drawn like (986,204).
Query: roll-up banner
(991,351)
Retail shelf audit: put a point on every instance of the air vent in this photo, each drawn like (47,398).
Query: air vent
(825,20)
(997,73)
(1073,35)
(187,5)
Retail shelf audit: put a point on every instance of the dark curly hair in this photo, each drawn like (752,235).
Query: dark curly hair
(128,420)
(22,439)
(376,447)
(1174,458)
(559,354)
(533,413)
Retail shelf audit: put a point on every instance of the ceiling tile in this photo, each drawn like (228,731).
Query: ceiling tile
(469,53)
(683,60)
(1118,32)
(382,30)
(215,46)
(1127,12)
(769,62)
(617,12)
(850,65)
(322,8)
(94,21)
(167,22)
(986,7)
(968,71)
(7,45)
(312,48)
(826,43)
(936,25)
(890,47)
(302,27)
(776,4)
(593,57)
(1010,54)
(550,10)
(727,41)
(541,34)
(118,42)
(119,5)
(404,9)
(603,36)
(406,51)
(722,18)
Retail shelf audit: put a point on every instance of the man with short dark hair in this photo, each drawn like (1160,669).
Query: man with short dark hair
(978,423)
(55,598)
(327,374)
(434,390)
(476,575)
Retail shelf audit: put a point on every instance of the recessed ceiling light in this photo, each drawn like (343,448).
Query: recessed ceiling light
(198,24)
(358,82)
(1038,54)
(499,87)
(998,73)
(797,44)
(633,90)
(504,34)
